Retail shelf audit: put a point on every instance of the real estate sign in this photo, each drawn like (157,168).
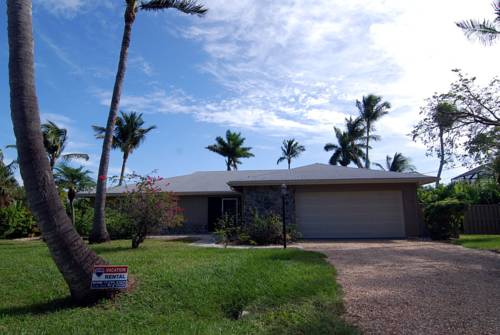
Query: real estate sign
(109,277)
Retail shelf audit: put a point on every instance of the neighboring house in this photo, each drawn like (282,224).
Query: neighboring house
(478,173)
(324,201)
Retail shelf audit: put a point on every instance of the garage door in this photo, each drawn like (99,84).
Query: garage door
(370,214)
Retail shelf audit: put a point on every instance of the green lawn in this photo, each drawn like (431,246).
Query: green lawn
(181,290)
(488,242)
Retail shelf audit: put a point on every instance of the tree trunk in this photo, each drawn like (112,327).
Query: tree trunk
(441,156)
(71,199)
(74,260)
(289,162)
(367,160)
(228,165)
(124,162)
(52,162)
(99,232)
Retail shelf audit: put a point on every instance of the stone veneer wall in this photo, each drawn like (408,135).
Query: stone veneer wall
(267,200)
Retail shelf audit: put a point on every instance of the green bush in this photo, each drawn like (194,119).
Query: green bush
(119,225)
(228,229)
(265,229)
(262,230)
(478,193)
(444,218)
(17,221)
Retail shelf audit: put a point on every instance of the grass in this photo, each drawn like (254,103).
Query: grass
(181,290)
(486,242)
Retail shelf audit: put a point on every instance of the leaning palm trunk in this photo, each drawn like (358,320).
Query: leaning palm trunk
(441,155)
(124,163)
(72,257)
(99,233)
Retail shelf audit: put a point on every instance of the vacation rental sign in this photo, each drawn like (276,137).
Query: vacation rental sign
(109,277)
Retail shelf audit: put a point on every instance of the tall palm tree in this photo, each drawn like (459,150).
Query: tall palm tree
(73,180)
(443,117)
(54,140)
(397,163)
(99,233)
(485,31)
(290,149)
(71,255)
(371,108)
(231,148)
(346,151)
(127,135)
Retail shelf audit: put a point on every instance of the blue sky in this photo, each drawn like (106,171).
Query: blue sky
(271,70)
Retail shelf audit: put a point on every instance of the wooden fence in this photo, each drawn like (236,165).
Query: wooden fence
(482,219)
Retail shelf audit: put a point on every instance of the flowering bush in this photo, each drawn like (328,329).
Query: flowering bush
(149,208)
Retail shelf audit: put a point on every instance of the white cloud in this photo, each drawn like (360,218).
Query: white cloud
(70,8)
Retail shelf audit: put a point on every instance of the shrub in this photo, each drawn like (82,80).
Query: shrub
(17,221)
(118,224)
(228,229)
(444,218)
(149,208)
(262,230)
(265,229)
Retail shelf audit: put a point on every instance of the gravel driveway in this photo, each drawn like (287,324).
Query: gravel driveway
(415,287)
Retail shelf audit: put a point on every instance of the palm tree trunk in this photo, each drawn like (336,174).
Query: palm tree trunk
(228,165)
(73,259)
(289,161)
(99,232)
(441,156)
(367,160)
(71,199)
(122,173)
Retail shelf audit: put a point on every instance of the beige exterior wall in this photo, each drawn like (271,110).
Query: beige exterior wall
(195,211)
(412,221)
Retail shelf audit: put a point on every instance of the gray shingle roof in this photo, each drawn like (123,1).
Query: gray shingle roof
(220,182)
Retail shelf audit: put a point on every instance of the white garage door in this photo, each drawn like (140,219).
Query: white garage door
(361,214)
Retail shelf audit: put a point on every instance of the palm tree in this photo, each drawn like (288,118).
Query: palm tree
(8,182)
(73,180)
(397,163)
(231,148)
(54,140)
(371,108)
(73,258)
(289,150)
(346,151)
(444,118)
(127,136)
(485,31)
(99,233)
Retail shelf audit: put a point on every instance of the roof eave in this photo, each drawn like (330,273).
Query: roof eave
(419,181)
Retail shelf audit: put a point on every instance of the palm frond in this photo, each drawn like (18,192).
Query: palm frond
(185,6)
(485,31)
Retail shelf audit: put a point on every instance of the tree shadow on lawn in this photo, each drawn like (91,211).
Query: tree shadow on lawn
(41,308)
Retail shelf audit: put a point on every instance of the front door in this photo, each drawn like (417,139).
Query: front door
(230,206)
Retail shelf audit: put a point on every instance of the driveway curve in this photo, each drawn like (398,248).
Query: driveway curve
(416,287)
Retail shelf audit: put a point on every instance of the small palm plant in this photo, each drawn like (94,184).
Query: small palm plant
(397,163)
(289,150)
(127,136)
(231,148)
(73,180)
(371,109)
(485,31)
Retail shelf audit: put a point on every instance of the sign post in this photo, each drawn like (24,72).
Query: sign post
(109,277)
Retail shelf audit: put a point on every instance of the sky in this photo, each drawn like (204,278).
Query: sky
(268,69)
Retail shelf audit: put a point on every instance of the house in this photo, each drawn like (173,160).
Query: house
(324,201)
(478,173)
